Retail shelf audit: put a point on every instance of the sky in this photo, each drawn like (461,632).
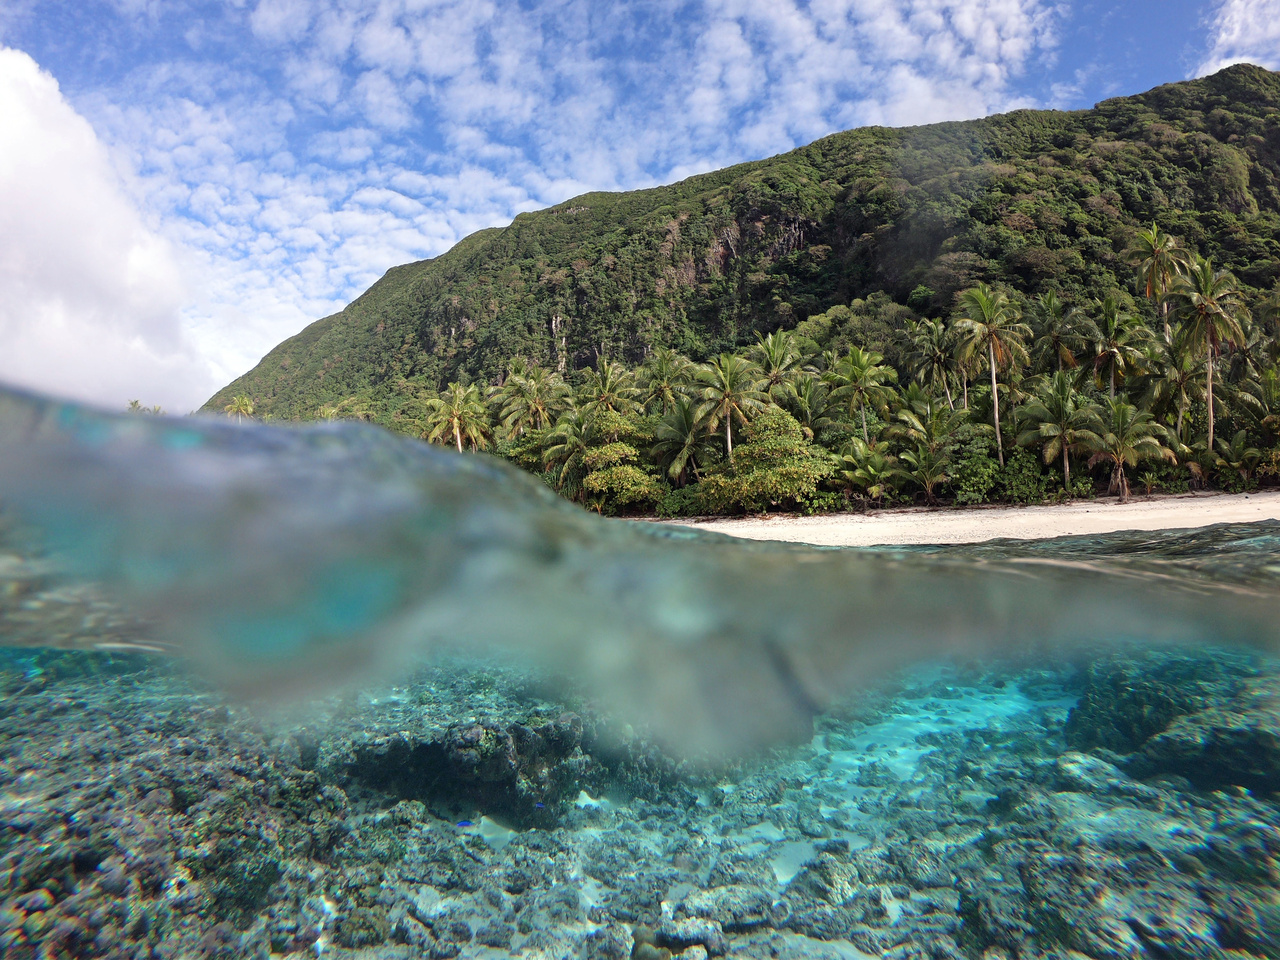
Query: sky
(186,183)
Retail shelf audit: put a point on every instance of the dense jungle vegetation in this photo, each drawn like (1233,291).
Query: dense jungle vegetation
(1012,308)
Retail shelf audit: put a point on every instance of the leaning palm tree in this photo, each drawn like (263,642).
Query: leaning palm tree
(730,388)
(858,379)
(1056,330)
(458,414)
(992,324)
(931,355)
(241,406)
(1059,422)
(1115,338)
(681,443)
(1211,307)
(1126,436)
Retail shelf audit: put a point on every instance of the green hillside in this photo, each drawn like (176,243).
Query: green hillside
(1032,199)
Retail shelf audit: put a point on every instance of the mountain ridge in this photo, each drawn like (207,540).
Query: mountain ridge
(1033,199)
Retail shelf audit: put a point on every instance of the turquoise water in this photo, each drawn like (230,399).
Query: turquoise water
(287,691)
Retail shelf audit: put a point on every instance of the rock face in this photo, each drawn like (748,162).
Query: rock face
(521,772)
(1214,721)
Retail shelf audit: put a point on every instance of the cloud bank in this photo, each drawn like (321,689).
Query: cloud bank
(1243,31)
(89,295)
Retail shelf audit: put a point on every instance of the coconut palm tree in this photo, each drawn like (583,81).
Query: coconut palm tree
(532,398)
(1159,259)
(458,414)
(241,406)
(612,387)
(931,355)
(1115,338)
(564,449)
(923,420)
(991,324)
(1059,423)
(1125,437)
(780,361)
(729,388)
(1056,330)
(809,401)
(1211,307)
(664,378)
(682,444)
(1173,381)
(858,379)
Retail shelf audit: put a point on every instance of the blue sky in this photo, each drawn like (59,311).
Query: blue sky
(183,184)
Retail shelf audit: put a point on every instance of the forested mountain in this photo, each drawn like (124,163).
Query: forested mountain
(858,233)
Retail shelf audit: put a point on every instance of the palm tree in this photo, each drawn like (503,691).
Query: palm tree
(1057,338)
(610,388)
(1159,259)
(1248,356)
(923,420)
(868,467)
(664,378)
(458,414)
(1211,308)
(928,468)
(1239,456)
(1126,436)
(1173,381)
(780,361)
(1059,423)
(809,401)
(681,442)
(860,378)
(731,388)
(564,448)
(241,406)
(992,324)
(1116,339)
(931,356)
(531,399)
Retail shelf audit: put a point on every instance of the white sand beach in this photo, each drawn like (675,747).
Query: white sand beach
(972,525)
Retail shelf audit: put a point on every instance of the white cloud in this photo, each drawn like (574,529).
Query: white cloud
(1243,31)
(89,295)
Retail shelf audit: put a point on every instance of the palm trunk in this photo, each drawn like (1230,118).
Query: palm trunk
(1113,381)
(1209,394)
(863,410)
(1066,471)
(457,436)
(995,401)
(728,436)
(966,393)
(1182,412)
(947,388)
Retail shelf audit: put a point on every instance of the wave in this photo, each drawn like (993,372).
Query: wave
(292,561)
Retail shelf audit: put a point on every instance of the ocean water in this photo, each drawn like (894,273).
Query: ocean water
(326,691)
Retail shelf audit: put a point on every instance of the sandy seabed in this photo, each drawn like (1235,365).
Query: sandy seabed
(975,524)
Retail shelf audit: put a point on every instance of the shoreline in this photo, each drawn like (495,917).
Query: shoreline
(942,525)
